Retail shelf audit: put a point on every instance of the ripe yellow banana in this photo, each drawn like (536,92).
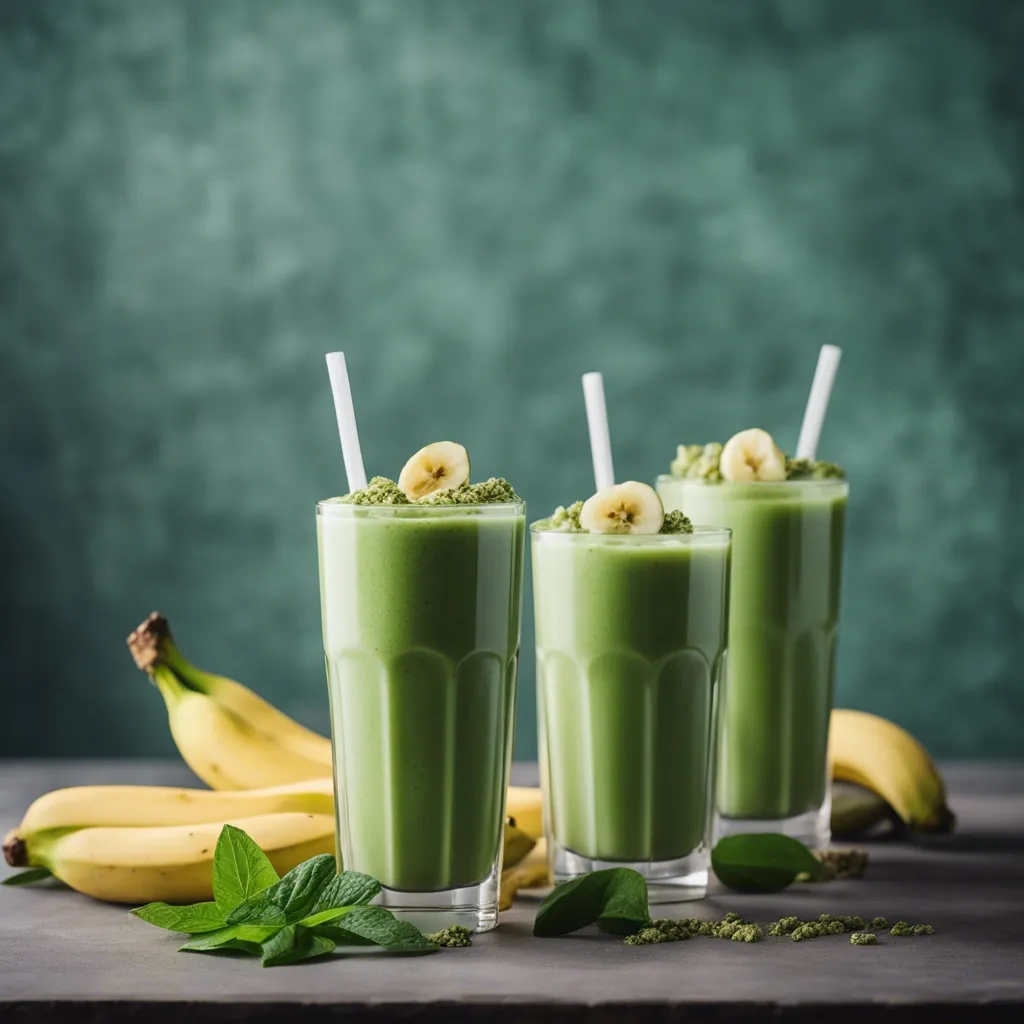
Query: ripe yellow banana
(855,810)
(171,863)
(524,804)
(303,754)
(224,749)
(517,844)
(131,806)
(880,756)
(530,872)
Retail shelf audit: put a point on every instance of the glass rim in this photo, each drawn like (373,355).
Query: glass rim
(328,507)
(759,486)
(699,533)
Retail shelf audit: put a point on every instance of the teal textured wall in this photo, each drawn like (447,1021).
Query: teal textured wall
(480,201)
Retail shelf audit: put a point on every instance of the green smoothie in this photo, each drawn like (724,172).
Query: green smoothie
(421,611)
(630,643)
(783,626)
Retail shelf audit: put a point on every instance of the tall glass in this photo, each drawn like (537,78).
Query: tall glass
(631,637)
(783,629)
(421,612)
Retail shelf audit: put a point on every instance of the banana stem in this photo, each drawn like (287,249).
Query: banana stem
(152,645)
(167,682)
(34,850)
(15,851)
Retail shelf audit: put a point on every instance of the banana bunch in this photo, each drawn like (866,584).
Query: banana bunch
(880,757)
(135,844)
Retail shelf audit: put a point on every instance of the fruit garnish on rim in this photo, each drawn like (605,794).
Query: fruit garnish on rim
(441,466)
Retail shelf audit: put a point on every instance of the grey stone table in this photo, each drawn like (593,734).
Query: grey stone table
(66,958)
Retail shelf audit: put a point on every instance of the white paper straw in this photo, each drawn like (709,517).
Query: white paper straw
(817,402)
(346,414)
(600,438)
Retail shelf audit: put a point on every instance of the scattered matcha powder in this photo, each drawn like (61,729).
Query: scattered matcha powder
(748,933)
(701,462)
(452,937)
(901,929)
(733,928)
(647,937)
(879,922)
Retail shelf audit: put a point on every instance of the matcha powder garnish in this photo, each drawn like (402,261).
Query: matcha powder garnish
(566,519)
(382,491)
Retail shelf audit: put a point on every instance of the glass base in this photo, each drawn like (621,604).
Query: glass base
(668,881)
(474,906)
(812,828)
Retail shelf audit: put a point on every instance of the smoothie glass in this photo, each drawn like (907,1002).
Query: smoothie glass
(421,612)
(631,634)
(783,627)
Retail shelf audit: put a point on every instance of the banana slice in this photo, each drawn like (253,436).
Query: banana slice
(440,466)
(752,455)
(631,507)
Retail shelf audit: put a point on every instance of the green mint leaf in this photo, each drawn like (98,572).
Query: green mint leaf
(292,944)
(291,899)
(200,917)
(377,926)
(240,869)
(27,877)
(612,897)
(325,916)
(347,889)
(247,938)
(762,861)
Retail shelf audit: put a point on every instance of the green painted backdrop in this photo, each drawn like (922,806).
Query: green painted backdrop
(479,201)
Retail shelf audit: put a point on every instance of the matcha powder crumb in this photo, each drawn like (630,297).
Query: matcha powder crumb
(452,937)
(864,939)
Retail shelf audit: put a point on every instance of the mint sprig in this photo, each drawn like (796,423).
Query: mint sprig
(240,869)
(309,913)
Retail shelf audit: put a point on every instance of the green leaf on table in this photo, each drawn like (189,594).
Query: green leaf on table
(291,899)
(294,943)
(248,938)
(626,909)
(200,917)
(762,861)
(377,926)
(615,898)
(240,869)
(27,877)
